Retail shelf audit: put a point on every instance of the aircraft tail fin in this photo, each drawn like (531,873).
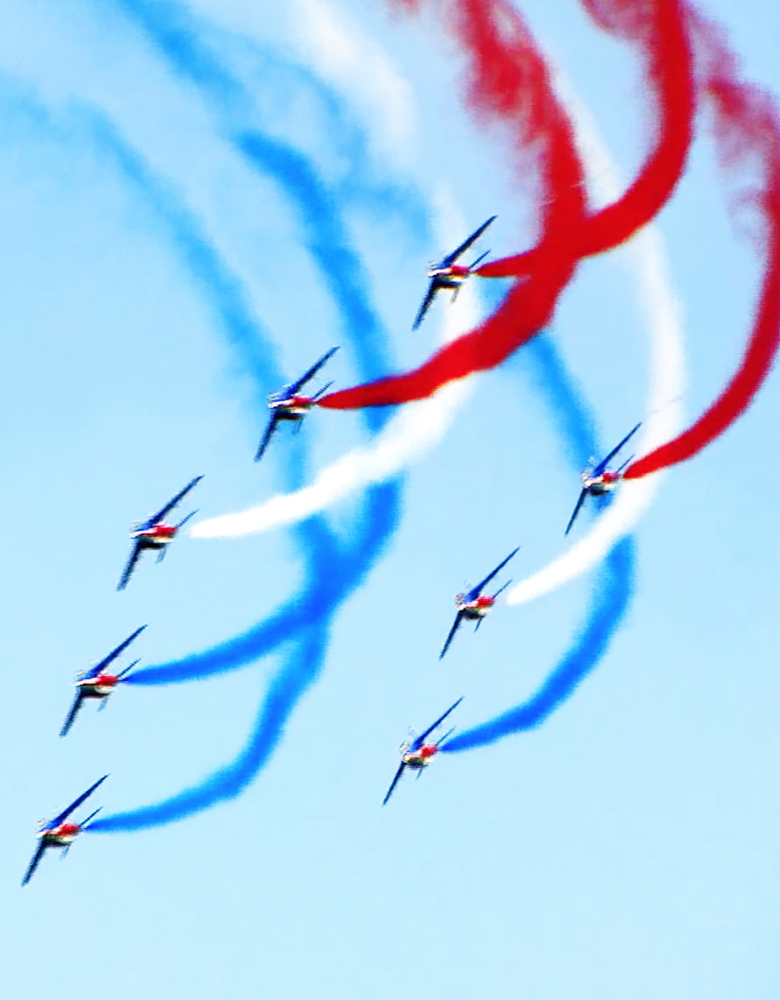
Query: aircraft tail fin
(479,260)
(322,391)
(182,523)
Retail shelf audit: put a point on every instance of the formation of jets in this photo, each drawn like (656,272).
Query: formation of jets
(288,404)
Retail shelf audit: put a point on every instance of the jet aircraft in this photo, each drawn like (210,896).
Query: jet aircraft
(58,832)
(154,534)
(598,480)
(475,604)
(97,682)
(288,404)
(418,754)
(448,274)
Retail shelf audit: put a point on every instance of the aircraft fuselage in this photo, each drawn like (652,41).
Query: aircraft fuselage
(477,608)
(598,486)
(291,408)
(60,836)
(418,758)
(155,537)
(449,277)
(100,686)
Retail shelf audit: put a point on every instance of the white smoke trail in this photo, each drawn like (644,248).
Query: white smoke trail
(419,426)
(664,417)
(406,438)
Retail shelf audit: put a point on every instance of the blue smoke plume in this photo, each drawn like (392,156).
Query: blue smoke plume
(298,673)
(334,569)
(611,597)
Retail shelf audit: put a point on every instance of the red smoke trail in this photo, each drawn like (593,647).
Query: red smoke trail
(747,132)
(509,80)
(660,31)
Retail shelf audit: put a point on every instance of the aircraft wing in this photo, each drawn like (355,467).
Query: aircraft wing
(39,851)
(74,708)
(451,636)
(269,433)
(451,258)
(94,671)
(421,738)
(134,557)
(474,593)
(296,386)
(396,779)
(429,297)
(156,518)
(603,464)
(76,803)
(573,518)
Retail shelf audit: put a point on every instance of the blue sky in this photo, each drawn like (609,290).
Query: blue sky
(157,283)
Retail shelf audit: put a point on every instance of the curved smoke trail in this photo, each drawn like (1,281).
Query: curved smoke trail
(230,781)
(297,673)
(611,596)
(505,64)
(663,410)
(746,127)
(525,97)
(343,566)
(662,419)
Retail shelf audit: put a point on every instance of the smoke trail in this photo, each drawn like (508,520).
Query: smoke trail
(667,379)
(527,98)
(406,438)
(296,675)
(340,567)
(746,128)
(508,80)
(610,600)
(659,31)
(337,575)
(344,277)
(504,65)
(663,409)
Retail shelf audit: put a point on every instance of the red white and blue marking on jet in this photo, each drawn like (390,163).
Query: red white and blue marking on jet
(418,754)
(475,605)
(448,274)
(289,404)
(598,480)
(58,832)
(98,682)
(154,534)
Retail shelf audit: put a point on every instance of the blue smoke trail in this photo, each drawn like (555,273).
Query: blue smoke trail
(613,588)
(336,570)
(610,600)
(342,566)
(568,411)
(340,268)
(297,674)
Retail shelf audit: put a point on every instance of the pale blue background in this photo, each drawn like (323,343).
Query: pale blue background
(628,847)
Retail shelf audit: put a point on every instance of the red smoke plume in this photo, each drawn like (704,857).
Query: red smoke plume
(508,79)
(747,133)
